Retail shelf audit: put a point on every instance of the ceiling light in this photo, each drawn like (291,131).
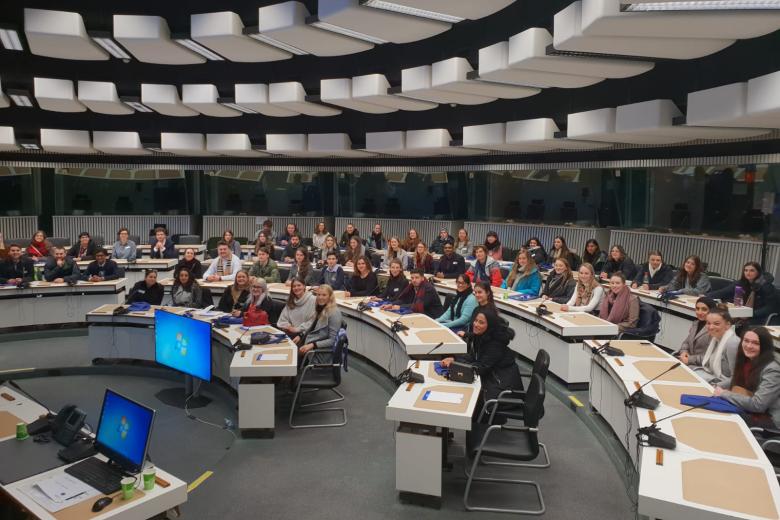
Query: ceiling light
(253,32)
(413,11)
(29,144)
(704,5)
(110,46)
(10,39)
(135,104)
(315,22)
(152,147)
(231,103)
(199,49)
(21,98)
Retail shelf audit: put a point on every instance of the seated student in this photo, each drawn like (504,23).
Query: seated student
(484,268)
(444,238)
(39,247)
(377,240)
(329,246)
(493,245)
(489,353)
(396,282)
(258,307)
(395,252)
(695,344)
(232,243)
(235,294)
(348,233)
(318,237)
(268,231)
(265,267)
(147,290)
(560,283)
(325,325)
(619,306)
(190,263)
(451,264)
(755,383)
(421,259)
(293,244)
(593,255)
(354,251)
(690,279)
(162,246)
(535,248)
(463,244)
(224,267)
(363,281)
(332,274)
(561,250)
(84,250)
(420,296)
(717,363)
(587,293)
(16,269)
(412,239)
(298,312)
(524,277)
(654,273)
(290,231)
(186,292)
(102,269)
(3,250)
(263,241)
(618,261)
(758,292)
(457,313)
(124,248)
(301,268)
(60,268)
(483,292)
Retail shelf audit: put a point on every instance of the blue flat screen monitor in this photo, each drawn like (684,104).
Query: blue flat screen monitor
(124,431)
(183,344)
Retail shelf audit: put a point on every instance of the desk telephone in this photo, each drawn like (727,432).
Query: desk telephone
(64,426)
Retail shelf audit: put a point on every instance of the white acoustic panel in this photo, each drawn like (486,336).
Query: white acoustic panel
(102,97)
(339,92)
(749,104)
(291,145)
(763,107)
(451,75)
(568,36)
(434,141)
(604,18)
(527,136)
(595,125)
(392,143)
(292,96)
(286,23)
(378,23)
(7,139)
(184,144)
(60,34)
(223,33)
(237,145)
(255,96)
(165,100)
(119,143)
(4,101)
(417,83)
(338,145)
(148,38)
(372,88)
(489,137)
(57,95)
(468,9)
(66,141)
(203,98)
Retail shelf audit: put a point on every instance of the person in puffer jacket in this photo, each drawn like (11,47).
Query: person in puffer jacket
(759,292)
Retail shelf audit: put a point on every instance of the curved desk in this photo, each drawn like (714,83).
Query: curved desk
(135,271)
(717,470)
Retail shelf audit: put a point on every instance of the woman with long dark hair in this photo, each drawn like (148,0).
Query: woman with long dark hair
(536,249)
(690,279)
(561,250)
(695,344)
(593,255)
(758,292)
(618,260)
(560,283)
(186,292)
(493,246)
(460,308)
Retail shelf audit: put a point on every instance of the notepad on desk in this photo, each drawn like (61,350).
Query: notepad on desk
(442,397)
(271,357)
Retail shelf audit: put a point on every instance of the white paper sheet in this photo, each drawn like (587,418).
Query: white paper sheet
(33,490)
(272,357)
(443,397)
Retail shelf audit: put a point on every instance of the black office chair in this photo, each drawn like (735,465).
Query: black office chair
(535,210)
(717,283)
(569,211)
(506,442)
(647,327)
(508,254)
(680,217)
(135,238)
(189,239)
(769,440)
(59,241)
(322,375)
(206,298)
(99,240)
(775,314)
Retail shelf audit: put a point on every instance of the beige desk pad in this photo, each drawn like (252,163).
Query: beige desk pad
(445,407)
(8,422)
(729,486)
(651,369)
(434,336)
(83,509)
(637,349)
(260,362)
(433,375)
(713,436)
(418,322)
(582,320)
(670,395)
(105,309)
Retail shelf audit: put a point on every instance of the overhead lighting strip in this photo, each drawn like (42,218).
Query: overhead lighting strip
(199,49)
(10,39)
(412,11)
(135,104)
(231,103)
(253,32)
(21,98)
(316,22)
(703,5)
(112,47)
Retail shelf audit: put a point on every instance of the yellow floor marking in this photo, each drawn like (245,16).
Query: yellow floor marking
(576,401)
(198,481)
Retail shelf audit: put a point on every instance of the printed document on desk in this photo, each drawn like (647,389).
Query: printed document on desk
(58,492)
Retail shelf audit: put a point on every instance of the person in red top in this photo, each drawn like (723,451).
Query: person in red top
(485,268)
(39,247)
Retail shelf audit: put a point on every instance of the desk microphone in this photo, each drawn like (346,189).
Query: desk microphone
(668,295)
(407,376)
(607,349)
(641,399)
(237,345)
(397,326)
(362,306)
(653,436)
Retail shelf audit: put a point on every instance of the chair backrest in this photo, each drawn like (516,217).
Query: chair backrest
(135,238)
(99,240)
(59,241)
(533,406)
(189,239)
(541,364)
(241,240)
(340,353)
(719,283)
(212,242)
(649,320)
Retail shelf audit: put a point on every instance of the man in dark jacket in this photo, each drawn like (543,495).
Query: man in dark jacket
(61,268)
(15,269)
(419,296)
(654,273)
(451,264)
(162,246)
(102,269)
(444,238)
(347,235)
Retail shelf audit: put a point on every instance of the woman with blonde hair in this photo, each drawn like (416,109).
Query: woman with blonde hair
(325,326)
(395,252)
(524,276)
(587,293)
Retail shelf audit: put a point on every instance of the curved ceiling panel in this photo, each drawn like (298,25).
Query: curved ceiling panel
(441,9)
(102,97)
(57,95)
(224,34)
(120,143)
(149,40)
(60,34)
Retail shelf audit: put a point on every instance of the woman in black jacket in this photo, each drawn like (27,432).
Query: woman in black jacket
(758,292)
(618,261)
(536,249)
(396,282)
(235,294)
(653,274)
(147,290)
(560,283)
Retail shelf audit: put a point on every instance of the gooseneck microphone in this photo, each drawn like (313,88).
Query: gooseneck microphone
(641,399)
(653,436)
(408,376)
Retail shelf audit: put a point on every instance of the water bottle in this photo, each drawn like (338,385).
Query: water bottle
(646,279)
(37,273)
(739,295)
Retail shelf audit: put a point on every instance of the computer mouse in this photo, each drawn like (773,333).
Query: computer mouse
(101,503)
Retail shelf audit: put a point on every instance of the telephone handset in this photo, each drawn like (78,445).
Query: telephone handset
(67,424)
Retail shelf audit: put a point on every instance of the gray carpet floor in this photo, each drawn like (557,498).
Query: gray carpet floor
(332,473)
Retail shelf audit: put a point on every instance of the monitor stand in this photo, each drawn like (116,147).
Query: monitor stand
(177,396)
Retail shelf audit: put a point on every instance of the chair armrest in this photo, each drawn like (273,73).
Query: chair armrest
(769,318)
(771,442)
(766,432)
(518,428)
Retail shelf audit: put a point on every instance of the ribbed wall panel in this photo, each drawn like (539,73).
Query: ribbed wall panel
(427,229)
(107,225)
(516,235)
(722,255)
(247,225)
(15,228)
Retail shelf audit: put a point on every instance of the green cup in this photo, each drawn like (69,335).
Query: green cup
(128,488)
(21,431)
(149,474)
